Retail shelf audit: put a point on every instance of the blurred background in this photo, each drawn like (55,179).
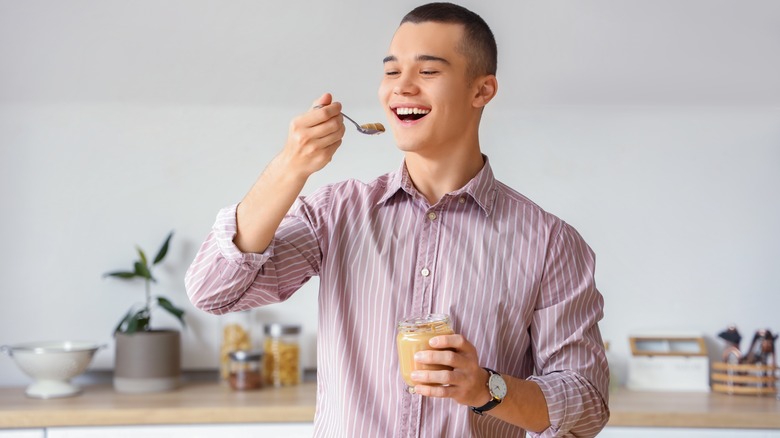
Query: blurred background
(652,127)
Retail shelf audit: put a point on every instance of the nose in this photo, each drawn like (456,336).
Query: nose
(405,86)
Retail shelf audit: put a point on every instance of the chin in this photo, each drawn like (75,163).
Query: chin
(406,144)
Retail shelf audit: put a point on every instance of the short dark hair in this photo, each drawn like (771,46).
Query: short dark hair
(478,45)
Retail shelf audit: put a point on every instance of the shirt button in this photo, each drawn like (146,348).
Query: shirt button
(432,216)
(462,200)
(425,272)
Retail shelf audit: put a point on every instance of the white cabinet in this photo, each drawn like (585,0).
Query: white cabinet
(22,433)
(680,432)
(286,430)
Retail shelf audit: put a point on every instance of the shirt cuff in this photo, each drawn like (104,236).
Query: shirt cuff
(225,229)
(552,397)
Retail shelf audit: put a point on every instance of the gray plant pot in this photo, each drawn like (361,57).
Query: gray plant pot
(147,361)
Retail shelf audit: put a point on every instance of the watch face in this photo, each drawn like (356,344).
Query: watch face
(497,386)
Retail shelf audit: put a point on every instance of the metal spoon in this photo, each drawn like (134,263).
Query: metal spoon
(366,128)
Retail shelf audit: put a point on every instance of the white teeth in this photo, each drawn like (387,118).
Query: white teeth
(408,111)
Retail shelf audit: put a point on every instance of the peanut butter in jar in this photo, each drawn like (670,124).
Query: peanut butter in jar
(413,335)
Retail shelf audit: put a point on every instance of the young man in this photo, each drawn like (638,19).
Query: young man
(440,235)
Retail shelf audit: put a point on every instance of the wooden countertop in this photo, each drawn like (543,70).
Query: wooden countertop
(210,402)
(196,402)
(693,409)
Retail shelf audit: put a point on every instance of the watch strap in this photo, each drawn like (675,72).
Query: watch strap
(494,401)
(486,407)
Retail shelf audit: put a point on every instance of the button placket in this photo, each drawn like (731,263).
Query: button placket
(426,260)
(420,279)
(434,231)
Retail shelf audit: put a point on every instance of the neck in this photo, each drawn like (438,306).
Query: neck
(435,176)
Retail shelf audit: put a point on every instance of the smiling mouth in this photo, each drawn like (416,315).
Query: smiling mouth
(411,114)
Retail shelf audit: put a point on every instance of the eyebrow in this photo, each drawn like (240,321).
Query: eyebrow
(392,58)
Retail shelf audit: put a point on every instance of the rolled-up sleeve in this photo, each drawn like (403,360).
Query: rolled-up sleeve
(221,272)
(571,364)
(222,279)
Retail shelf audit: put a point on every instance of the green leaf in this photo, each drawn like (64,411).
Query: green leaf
(120,274)
(142,271)
(133,322)
(163,250)
(173,310)
(142,255)
(123,322)
(136,322)
(131,326)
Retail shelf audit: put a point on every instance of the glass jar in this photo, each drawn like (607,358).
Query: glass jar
(282,354)
(414,333)
(236,329)
(245,371)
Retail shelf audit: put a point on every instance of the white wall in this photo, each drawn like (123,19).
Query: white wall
(652,127)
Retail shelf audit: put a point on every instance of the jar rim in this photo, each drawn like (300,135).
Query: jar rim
(413,322)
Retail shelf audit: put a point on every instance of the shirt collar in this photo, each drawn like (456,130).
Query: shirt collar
(482,188)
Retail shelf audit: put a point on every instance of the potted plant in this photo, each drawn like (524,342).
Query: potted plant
(147,359)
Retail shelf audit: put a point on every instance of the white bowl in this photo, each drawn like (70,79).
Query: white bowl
(52,364)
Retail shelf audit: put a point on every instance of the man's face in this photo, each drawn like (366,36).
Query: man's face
(425,91)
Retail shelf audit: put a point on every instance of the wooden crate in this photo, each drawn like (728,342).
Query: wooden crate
(670,345)
(744,379)
(668,362)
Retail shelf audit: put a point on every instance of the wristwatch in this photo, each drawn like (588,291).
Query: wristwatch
(497,388)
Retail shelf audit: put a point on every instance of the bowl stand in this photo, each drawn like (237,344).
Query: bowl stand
(44,388)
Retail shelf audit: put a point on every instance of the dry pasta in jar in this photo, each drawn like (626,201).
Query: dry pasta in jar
(235,337)
(282,355)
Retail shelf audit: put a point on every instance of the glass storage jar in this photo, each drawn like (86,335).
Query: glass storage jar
(235,336)
(245,370)
(282,354)
(414,333)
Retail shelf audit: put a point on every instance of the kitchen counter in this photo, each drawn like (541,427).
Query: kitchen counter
(693,409)
(210,402)
(196,402)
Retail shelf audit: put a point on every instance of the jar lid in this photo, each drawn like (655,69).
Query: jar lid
(245,356)
(277,329)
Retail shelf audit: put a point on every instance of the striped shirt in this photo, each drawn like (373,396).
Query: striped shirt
(516,281)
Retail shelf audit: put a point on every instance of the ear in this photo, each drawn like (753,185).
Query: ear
(486,88)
